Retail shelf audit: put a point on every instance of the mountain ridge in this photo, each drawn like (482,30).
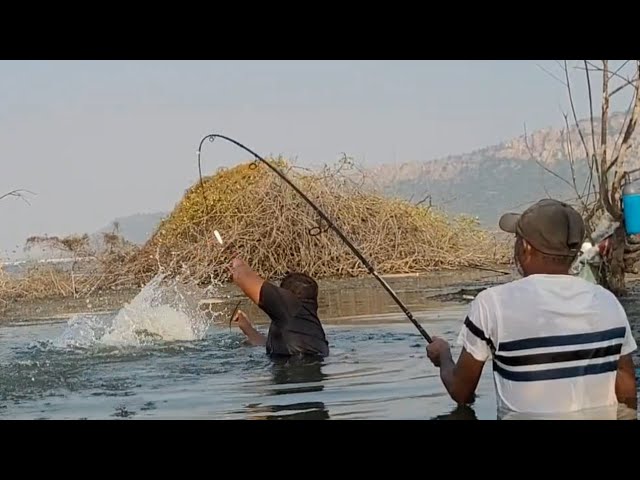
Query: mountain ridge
(506,176)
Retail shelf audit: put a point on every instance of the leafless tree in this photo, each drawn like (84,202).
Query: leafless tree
(604,151)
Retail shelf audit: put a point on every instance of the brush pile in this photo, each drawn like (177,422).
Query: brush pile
(264,220)
(268,224)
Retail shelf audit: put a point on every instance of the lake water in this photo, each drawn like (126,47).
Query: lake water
(153,361)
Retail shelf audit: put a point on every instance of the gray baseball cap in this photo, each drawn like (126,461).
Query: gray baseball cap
(550,226)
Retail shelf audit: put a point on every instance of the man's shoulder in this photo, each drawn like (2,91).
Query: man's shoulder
(272,293)
(600,293)
(523,284)
(308,313)
(603,294)
(609,300)
(520,288)
(502,290)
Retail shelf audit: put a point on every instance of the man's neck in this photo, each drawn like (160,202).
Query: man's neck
(547,271)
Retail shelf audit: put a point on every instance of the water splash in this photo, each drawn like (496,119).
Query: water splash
(164,310)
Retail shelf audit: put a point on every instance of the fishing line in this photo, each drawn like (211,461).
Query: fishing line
(233,313)
(317,230)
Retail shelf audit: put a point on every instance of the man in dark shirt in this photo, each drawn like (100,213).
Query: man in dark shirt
(295,329)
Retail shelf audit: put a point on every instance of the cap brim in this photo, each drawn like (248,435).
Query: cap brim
(508,222)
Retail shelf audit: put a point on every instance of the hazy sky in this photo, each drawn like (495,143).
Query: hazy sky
(100,139)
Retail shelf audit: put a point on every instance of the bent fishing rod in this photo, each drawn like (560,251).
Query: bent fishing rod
(324,217)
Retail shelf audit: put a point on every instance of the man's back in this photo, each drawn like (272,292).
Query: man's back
(555,341)
(295,327)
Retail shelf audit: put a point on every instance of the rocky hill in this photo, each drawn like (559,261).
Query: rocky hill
(502,177)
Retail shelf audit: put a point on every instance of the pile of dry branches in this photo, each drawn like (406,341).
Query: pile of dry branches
(266,222)
(276,231)
(87,272)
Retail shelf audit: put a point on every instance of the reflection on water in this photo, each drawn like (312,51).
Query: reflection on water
(297,411)
(616,412)
(293,376)
(461,412)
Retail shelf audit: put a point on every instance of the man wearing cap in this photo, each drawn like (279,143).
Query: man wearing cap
(558,344)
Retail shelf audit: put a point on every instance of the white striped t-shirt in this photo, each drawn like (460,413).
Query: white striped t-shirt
(554,340)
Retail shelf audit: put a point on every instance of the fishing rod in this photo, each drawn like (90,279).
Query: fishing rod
(322,215)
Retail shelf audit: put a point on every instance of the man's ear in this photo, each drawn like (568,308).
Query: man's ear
(527,249)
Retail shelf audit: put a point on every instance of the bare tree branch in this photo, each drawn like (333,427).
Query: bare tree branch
(626,82)
(550,74)
(541,164)
(427,197)
(605,191)
(593,133)
(592,158)
(622,87)
(568,145)
(621,67)
(618,161)
(20,193)
(615,74)
(573,110)
(569,149)
(617,146)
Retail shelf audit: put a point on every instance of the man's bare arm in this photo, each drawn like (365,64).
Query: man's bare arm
(626,390)
(248,280)
(461,378)
(253,336)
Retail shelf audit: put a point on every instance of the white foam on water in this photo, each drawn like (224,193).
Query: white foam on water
(163,310)
(82,331)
